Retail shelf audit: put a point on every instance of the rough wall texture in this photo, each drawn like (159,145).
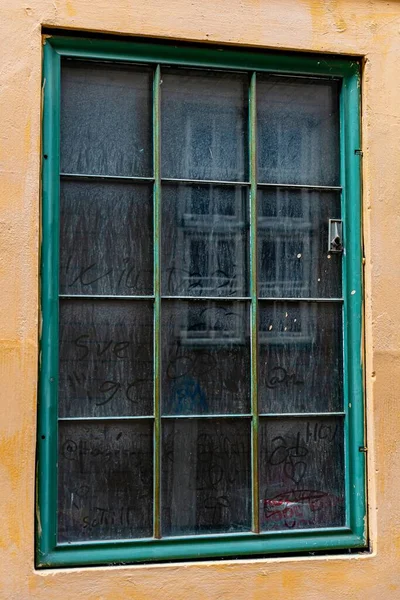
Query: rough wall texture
(369,28)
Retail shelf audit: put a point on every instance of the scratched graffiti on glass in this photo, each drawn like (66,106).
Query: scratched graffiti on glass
(207,343)
(301,473)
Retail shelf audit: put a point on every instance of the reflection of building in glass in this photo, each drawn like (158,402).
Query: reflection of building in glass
(205,244)
(214,324)
(288,325)
(212,234)
(285,233)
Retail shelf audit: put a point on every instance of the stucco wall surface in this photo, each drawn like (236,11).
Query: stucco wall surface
(368,28)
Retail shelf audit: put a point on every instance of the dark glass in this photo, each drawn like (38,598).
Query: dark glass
(106,358)
(205,357)
(106,119)
(301,473)
(293,257)
(300,357)
(205,234)
(105,481)
(204,124)
(206,476)
(298,130)
(106,238)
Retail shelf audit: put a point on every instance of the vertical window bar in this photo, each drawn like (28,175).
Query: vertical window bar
(346,395)
(47,429)
(157,303)
(253,294)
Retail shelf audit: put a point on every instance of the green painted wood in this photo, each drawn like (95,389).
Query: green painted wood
(353,307)
(205,56)
(157,303)
(352,536)
(254,302)
(46,513)
(207,547)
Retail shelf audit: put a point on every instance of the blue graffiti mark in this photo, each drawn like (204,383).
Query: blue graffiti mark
(188,397)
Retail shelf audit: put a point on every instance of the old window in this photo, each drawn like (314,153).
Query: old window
(200,373)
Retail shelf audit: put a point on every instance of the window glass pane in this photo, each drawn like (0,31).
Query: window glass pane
(298,130)
(106,238)
(204,125)
(205,233)
(105,480)
(300,357)
(205,357)
(301,473)
(106,358)
(206,476)
(106,119)
(293,257)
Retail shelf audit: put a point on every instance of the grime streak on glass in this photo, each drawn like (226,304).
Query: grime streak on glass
(106,238)
(298,130)
(106,119)
(204,124)
(300,357)
(293,257)
(105,481)
(301,473)
(205,240)
(206,476)
(205,350)
(106,358)
(194,244)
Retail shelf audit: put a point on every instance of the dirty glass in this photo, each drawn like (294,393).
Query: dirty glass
(204,124)
(206,476)
(205,240)
(106,238)
(105,480)
(298,130)
(301,473)
(205,353)
(194,338)
(106,113)
(106,358)
(300,357)
(293,256)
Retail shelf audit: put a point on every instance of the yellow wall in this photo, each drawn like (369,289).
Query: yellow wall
(363,27)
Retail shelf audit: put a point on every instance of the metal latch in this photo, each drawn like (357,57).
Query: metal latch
(335,235)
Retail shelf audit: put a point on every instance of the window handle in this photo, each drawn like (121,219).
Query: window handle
(335,235)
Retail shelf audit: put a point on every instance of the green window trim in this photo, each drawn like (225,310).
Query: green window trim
(353,535)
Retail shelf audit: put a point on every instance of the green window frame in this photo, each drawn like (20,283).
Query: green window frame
(51,553)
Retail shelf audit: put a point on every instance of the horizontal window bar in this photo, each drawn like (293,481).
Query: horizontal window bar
(196,298)
(328,188)
(211,416)
(127,418)
(203,181)
(208,298)
(137,417)
(295,186)
(278,299)
(102,297)
(304,415)
(208,416)
(315,77)
(110,177)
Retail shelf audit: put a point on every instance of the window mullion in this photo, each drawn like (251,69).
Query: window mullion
(157,304)
(253,294)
